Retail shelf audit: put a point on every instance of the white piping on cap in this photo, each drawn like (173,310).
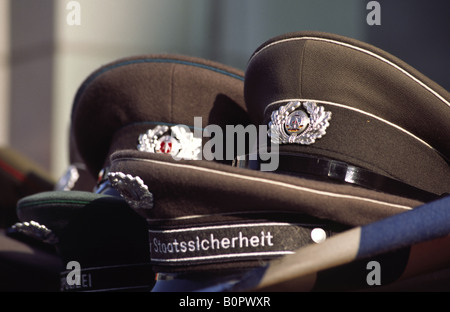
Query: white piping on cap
(422,84)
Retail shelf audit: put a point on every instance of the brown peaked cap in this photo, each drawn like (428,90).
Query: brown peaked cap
(386,116)
(346,77)
(123,99)
(187,194)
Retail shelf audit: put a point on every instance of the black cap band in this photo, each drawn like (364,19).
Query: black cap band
(310,166)
(231,242)
(132,277)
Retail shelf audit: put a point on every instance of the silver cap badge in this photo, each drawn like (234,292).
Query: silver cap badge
(177,141)
(132,189)
(291,124)
(35,230)
(67,181)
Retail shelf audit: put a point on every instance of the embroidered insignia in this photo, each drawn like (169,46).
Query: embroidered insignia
(291,124)
(132,189)
(177,141)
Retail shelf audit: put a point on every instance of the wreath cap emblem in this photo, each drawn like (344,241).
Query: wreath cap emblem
(177,141)
(291,124)
(132,189)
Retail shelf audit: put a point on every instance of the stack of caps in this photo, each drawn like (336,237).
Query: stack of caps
(348,140)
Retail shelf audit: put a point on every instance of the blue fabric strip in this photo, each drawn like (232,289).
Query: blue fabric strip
(423,223)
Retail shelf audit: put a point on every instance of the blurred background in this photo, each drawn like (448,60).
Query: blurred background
(48,47)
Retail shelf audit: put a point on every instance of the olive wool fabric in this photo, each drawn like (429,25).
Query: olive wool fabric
(86,226)
(200,194)
(367,92)
(100,232)
(123,99)
(386,116)
(113,107)
(346,77)
(188,216)
(228,191)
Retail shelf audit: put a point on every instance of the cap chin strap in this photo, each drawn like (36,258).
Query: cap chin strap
(309,166)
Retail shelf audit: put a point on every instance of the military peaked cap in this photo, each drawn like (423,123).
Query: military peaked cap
(123,99)
(337,108)
(364,107)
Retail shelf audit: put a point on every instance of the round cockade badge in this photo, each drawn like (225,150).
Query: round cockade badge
(177,141)
(295,123)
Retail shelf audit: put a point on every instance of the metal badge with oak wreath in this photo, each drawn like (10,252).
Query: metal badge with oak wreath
(295,123)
